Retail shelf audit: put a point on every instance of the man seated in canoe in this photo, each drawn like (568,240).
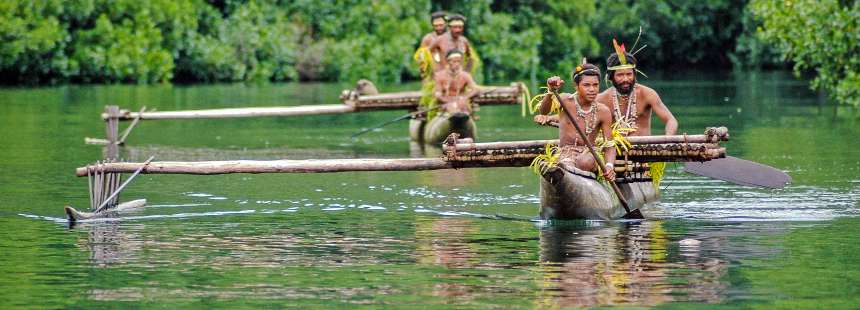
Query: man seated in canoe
(451,109)
(451,40)
(593,118)
(454,86)
(631,103)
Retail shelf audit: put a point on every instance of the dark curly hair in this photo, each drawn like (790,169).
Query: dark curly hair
(585,70)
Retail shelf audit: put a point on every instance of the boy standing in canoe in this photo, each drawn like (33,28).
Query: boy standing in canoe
(592,116)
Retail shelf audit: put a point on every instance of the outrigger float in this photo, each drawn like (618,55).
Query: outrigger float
(566,192)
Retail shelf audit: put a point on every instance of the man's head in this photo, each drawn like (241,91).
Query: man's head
(622,76)
(456,24)
(437,19)
(454,58)
(586,77)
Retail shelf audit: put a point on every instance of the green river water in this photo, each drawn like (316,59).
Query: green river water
(435,239)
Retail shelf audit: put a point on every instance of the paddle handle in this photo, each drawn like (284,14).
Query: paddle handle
(593,152)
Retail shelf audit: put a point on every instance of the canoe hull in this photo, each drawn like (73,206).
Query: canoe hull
(435,131)
(568,194)
(75,215)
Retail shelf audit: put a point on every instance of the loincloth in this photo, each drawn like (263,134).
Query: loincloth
(569,153)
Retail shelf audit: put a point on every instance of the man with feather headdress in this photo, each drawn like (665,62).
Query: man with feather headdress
(631,103)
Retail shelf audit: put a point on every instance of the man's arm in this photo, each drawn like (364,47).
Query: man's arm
(473,88)
(435,49)
(553,83)
(663,113)
(471,59)
(609,151)
(427,40)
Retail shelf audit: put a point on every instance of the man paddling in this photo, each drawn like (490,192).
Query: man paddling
(451,40)
(631,103)
(592,116)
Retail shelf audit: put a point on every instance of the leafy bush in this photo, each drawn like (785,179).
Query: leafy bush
(821,36)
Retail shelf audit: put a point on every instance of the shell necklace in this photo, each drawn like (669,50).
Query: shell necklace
(627,120)
(589,128)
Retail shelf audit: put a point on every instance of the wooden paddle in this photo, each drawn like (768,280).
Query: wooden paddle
(740,171)
(635,214)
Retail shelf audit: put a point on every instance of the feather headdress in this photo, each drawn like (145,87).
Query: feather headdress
(622,57)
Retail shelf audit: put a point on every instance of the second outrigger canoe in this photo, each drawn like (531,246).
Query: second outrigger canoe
(435,130)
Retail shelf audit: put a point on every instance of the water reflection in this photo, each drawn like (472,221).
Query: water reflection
(107,243)
(587,264)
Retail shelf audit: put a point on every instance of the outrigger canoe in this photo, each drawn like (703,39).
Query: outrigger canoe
(565,193)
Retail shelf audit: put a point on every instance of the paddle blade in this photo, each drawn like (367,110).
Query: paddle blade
(633,215)
(740,171)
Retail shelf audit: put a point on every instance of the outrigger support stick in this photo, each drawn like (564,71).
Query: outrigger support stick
(635,214)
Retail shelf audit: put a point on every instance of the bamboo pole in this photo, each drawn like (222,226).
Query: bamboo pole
(111,118)
(294,166)
(238,112)
(635,140)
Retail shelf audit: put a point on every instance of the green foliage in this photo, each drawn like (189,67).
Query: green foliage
(255,42)
(820,36)
(33,38)
(277,40)
(678,32)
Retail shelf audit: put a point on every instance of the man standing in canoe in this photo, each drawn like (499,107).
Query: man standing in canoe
(423,57)
(632,103)
(592,116)
(437,19)
(453,39)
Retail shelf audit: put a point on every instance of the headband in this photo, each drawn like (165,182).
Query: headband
(456,22)
(579,72)
(622,58)
(438,20)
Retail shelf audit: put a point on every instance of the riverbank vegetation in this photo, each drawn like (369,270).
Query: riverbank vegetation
(128,41)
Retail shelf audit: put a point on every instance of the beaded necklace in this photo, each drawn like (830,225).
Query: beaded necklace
(629,118)
(589,128)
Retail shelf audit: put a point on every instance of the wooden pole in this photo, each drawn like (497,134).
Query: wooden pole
(635,140)
(116,190)
(238,112)
(295,166)
(112,131)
